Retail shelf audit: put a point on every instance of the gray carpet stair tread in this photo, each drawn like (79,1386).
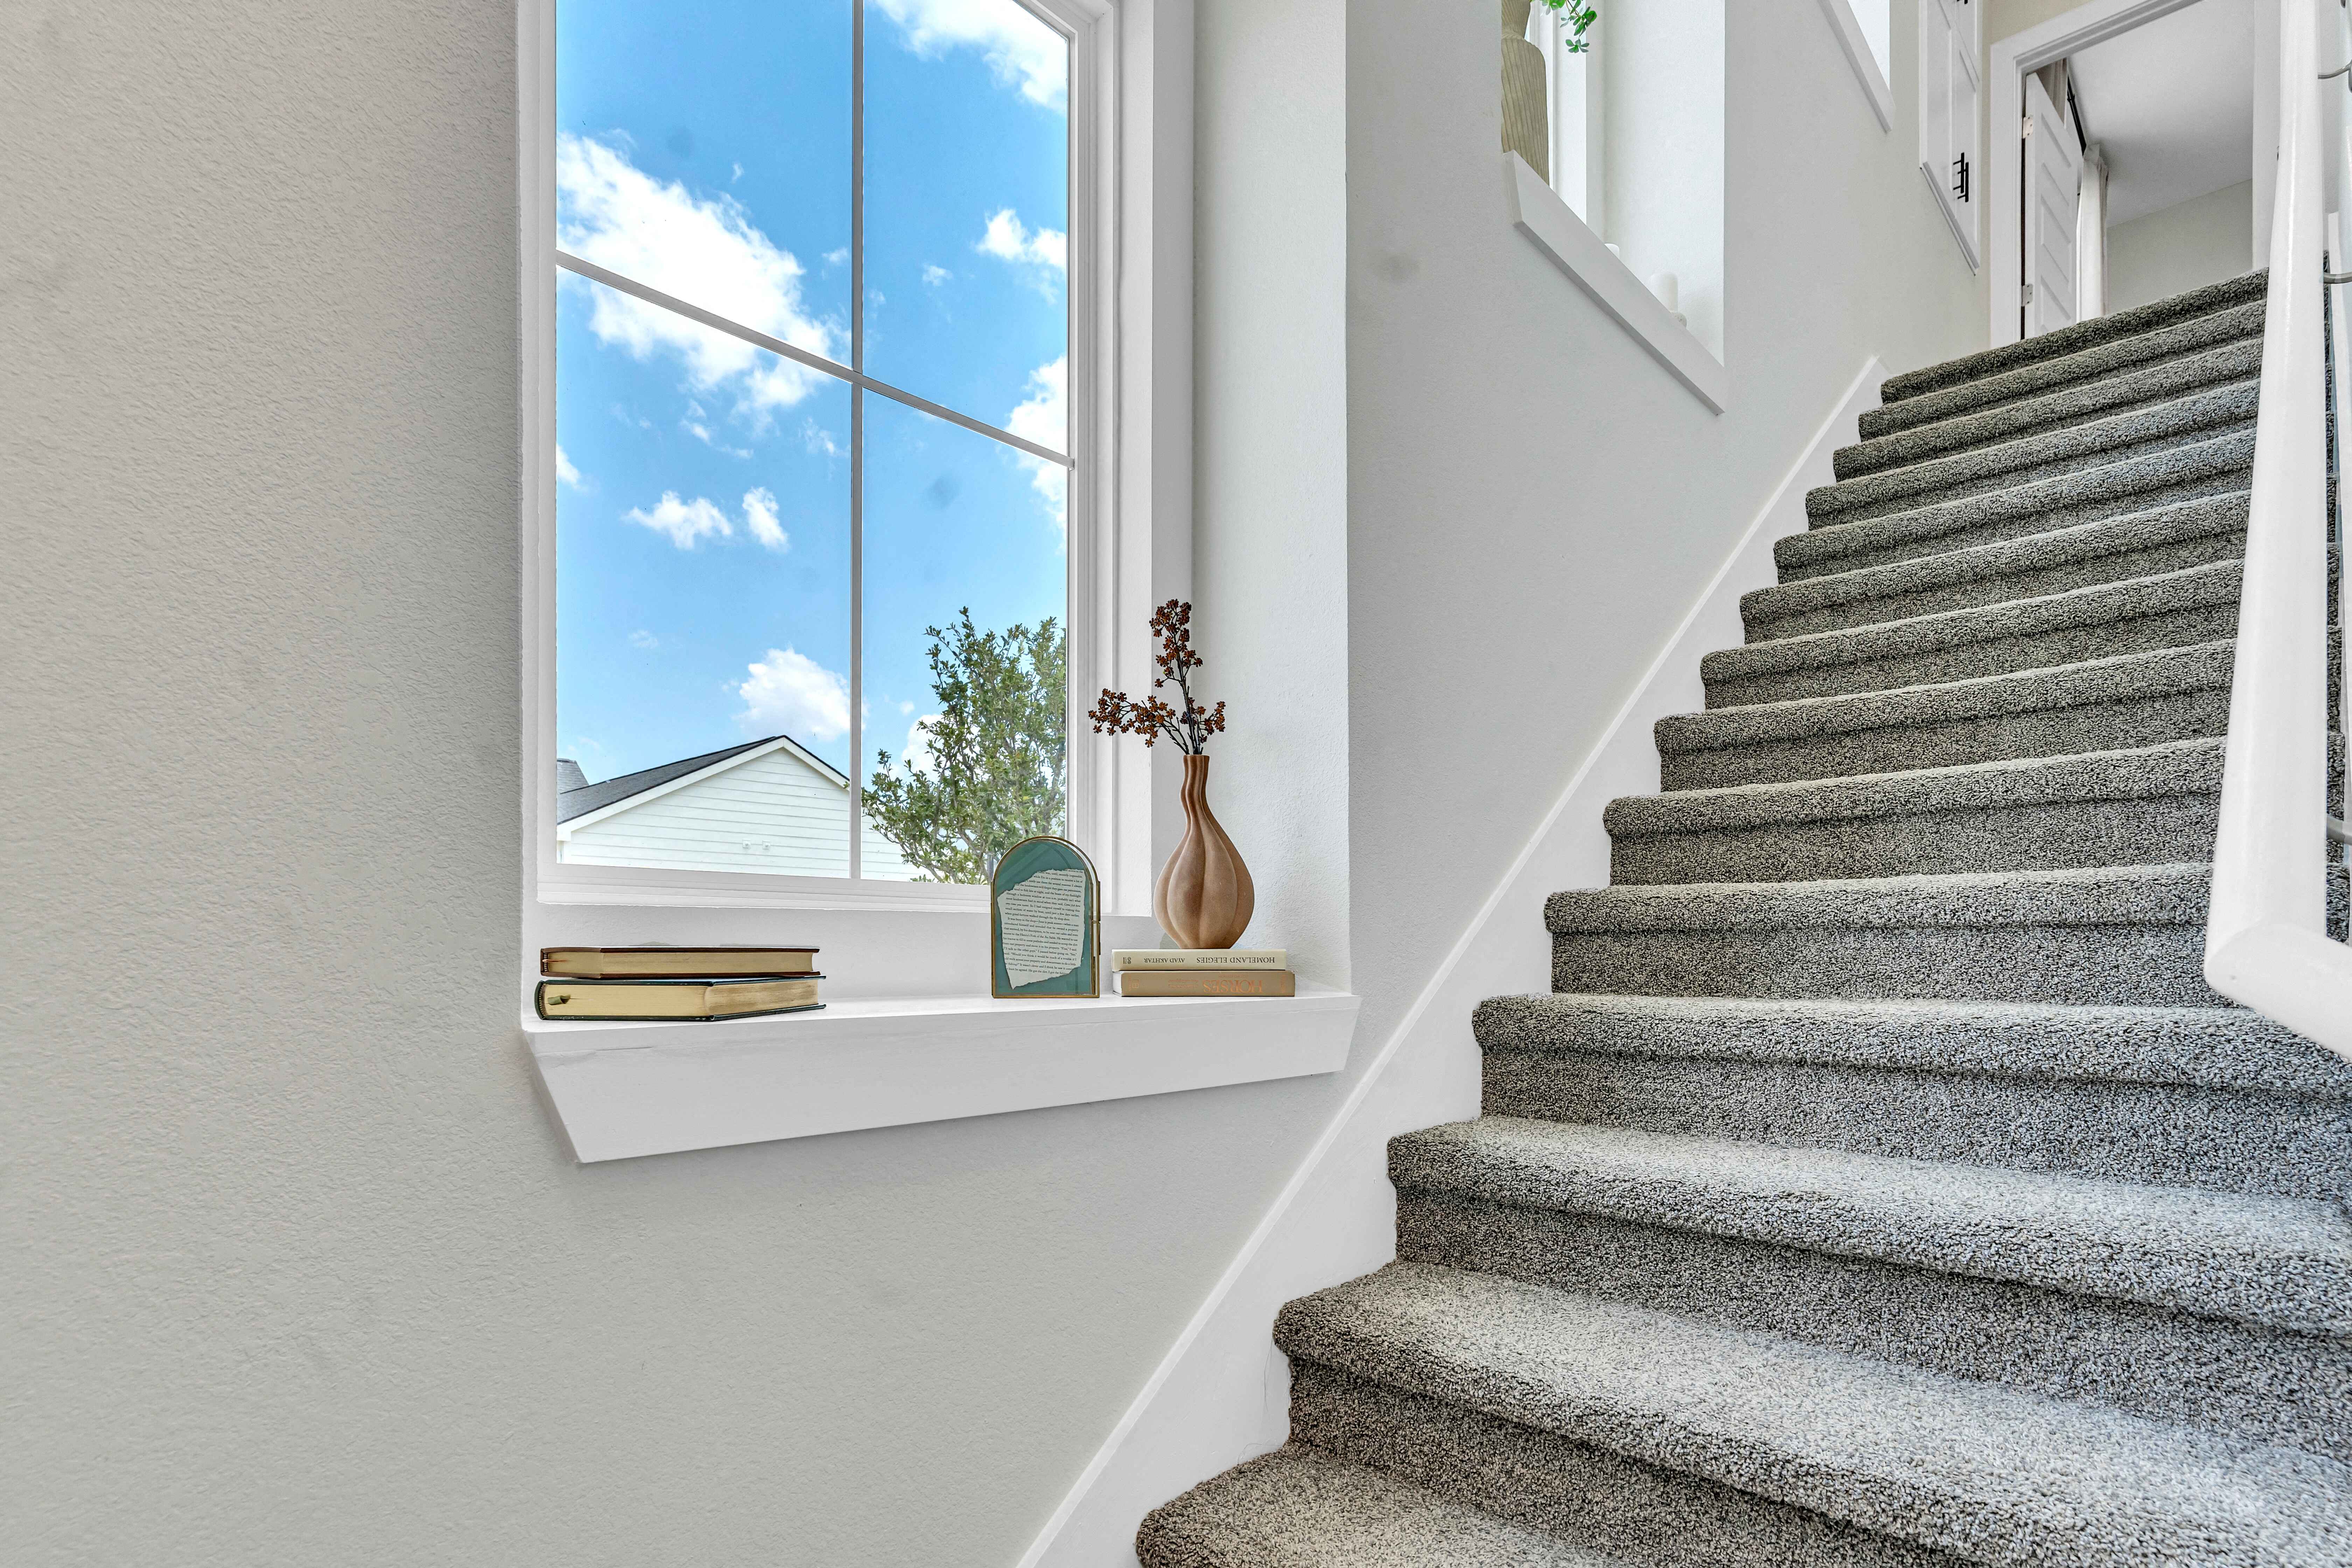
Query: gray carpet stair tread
(2175,767)
(2233,324)
(2068,449)
(2131,676)
(2097,895)
(1300,1508)
(2074,403)
(2248,289)
(2203,1047)
(2192,588)
(1988,1473)
(2284,1263)
(1989,568)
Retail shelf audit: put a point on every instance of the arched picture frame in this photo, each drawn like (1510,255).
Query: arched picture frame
(1045,921)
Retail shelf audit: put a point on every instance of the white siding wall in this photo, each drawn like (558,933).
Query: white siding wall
(773,814)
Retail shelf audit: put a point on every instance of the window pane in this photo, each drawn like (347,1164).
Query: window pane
(702,587)
(955,523)
(966,209)
(705,151)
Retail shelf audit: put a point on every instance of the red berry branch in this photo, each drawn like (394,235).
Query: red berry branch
(1152,718)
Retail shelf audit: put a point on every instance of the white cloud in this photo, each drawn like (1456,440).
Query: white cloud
(820,440)
(644,639)
(906,708)
(615,215)
(683,522)
(838,257)
(1045,418)
(918,757)
(739,173)
(701,431)
(1044,250)
(760,516)
(935,275)
(789,692)
(1020,48)
(564,471)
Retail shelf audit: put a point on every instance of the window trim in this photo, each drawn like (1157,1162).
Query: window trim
(1854,41)
(1120,425)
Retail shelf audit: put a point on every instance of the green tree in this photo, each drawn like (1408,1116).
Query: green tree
(994,774)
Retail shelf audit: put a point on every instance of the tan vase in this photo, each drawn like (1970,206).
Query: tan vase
(1526,123)
(1206,897)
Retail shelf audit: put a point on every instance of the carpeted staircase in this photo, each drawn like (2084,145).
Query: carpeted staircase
(1881,1185)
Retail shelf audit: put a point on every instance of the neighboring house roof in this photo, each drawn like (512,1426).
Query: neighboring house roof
(568,775)
(572,802)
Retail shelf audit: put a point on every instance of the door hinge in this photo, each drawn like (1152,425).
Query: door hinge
(2029,126)
(1960,177)
(2027,299)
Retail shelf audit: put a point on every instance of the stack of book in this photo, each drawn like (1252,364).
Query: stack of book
(629,985)
(1203,972)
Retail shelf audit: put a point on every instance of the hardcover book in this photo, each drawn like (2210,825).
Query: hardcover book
(698,1001)
(1199,958)
(654,960)
(1207,983)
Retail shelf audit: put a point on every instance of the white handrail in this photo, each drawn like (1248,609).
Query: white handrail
(2266,942)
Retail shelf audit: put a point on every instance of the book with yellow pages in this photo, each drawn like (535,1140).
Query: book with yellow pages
(1207,983)
(695,1000)
(654,962)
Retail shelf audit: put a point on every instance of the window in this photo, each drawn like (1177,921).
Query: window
(1949,155)
(1864,30)
(808,513)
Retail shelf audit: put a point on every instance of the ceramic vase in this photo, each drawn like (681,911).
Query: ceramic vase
(1204,897)
(1526,123)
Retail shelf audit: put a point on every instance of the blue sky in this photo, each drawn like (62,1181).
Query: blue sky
(703,497)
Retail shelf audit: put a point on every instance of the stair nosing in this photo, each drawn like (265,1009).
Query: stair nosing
(2171,894)
(2079,1235)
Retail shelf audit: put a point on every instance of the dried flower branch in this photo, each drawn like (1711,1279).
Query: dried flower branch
(1189,727)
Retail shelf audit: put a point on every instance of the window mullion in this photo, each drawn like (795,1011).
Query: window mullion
(857,440)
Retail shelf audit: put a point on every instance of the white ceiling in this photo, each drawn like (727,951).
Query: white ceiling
(2173,103)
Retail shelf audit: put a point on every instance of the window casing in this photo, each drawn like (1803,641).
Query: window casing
(1110,567)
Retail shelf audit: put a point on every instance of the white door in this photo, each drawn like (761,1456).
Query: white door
(2053,189)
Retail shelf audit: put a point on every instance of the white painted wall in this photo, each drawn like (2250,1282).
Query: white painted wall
(2201,240)
(1665,157)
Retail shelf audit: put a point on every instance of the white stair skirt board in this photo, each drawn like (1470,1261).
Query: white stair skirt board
(1222,1392)
(624,1090)
(1540,213)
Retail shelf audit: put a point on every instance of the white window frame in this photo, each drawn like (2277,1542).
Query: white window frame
(1128,524)
(1869,48)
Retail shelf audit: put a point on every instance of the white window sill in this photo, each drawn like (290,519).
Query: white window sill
(1559,233)
(622,1090)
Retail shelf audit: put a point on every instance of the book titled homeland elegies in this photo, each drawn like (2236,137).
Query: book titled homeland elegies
(695,1001)
(1199,958)
(655,962)
(1207,983)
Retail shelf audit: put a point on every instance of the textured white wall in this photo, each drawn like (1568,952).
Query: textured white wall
(2201,240)
(298,1273)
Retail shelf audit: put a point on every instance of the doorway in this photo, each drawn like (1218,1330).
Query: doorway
(2123,157)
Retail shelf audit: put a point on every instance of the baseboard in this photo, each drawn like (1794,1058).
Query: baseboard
(1221,1394)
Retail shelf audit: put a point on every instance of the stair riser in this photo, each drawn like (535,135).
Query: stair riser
(2263,1384)
(2009,514)
(2042,836)
(2001,656)
(2005,465)
(2038,732)
(2141,387)
(1645,1514)
(1767,619)
(2166,1135)
(2127,966)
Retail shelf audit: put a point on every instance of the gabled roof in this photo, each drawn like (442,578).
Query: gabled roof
(572,802)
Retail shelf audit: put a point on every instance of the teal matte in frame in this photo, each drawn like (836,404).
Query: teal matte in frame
(1054,911)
